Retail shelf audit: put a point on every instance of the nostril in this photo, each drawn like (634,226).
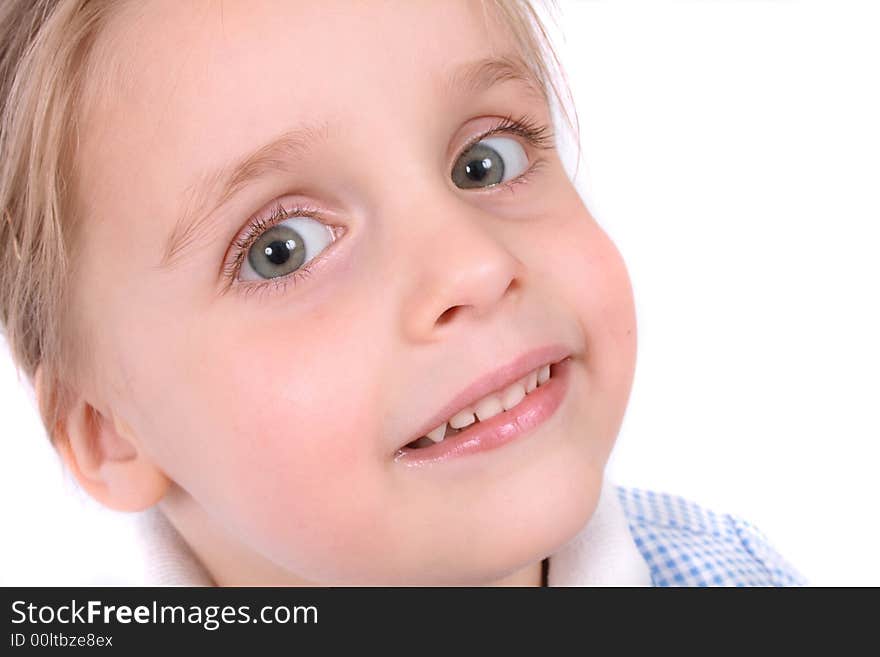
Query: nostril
(448,315)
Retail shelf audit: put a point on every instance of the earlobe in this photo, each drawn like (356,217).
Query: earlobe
(104,456)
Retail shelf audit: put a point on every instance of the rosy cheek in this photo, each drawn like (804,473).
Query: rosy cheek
(301,501)
(309,449)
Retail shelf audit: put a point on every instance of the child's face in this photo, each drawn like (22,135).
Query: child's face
(278,411)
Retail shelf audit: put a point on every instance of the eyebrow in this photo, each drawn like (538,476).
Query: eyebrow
(282,153)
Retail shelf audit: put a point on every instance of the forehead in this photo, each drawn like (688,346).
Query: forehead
(183,86)
(192,65)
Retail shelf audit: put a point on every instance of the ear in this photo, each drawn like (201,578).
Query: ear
(103,454)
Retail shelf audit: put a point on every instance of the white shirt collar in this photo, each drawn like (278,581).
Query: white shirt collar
(601,554)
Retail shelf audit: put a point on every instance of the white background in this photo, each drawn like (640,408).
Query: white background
(732,151)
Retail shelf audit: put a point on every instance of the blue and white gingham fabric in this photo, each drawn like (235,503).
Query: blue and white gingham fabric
(687,545)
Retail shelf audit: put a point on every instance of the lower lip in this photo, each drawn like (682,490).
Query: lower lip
(536,407)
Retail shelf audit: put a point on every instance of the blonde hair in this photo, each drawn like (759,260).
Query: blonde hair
(45,70)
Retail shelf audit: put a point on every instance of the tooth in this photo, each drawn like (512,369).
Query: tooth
(438,434)
(488,407)
(494,404)
(462,419)
(543,374)
(512,395)
(532,380)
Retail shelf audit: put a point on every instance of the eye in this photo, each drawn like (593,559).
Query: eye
(489,162)
(285,248)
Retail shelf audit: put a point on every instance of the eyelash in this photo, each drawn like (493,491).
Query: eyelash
(537,134)
(256,228)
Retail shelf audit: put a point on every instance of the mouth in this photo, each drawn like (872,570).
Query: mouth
(496,417)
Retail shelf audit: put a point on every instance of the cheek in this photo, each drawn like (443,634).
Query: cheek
(587,273)
(590,278)
(273,431)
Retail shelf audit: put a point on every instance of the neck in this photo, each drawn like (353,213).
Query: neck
(531,575)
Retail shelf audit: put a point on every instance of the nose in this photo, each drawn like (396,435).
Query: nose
(457,266)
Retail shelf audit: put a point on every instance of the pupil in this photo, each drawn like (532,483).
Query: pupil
(278,251)
(477,169)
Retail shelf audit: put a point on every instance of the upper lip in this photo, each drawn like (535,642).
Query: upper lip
(494,381)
